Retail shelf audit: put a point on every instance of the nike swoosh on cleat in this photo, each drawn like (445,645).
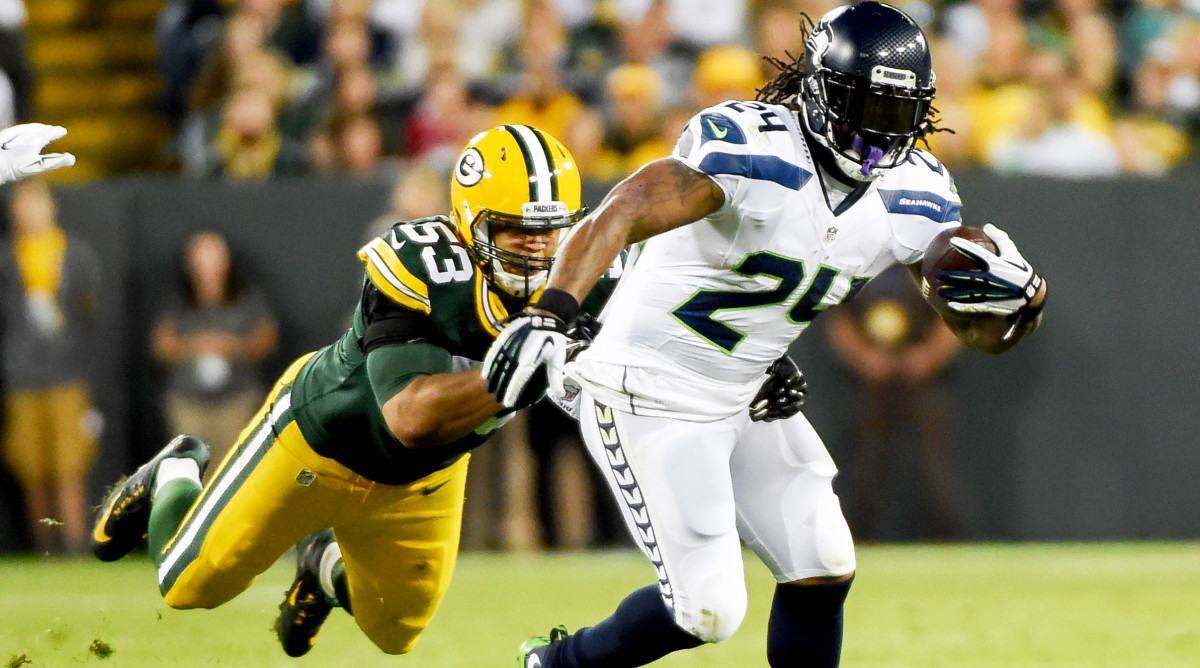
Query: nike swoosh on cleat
(99,534)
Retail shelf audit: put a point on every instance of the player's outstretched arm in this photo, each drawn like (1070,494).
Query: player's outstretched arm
(438,409)
(21,151)
(661,196)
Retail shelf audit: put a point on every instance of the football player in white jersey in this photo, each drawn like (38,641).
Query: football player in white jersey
(21,151)
(767,213)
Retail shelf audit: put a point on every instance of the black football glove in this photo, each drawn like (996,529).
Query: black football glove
(782,394)
(584,328)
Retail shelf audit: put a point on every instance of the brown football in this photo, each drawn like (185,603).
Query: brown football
(941,256)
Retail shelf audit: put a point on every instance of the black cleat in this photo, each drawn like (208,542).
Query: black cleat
(533,652)
(304,610)
(122,523)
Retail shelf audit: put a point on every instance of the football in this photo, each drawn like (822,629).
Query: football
(941,256)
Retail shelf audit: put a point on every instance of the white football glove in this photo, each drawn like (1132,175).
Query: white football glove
(528,344)
(21,147)
(564,393)
(1003,284)
(562,390)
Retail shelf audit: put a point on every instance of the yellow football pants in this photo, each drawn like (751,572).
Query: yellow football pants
(399,542)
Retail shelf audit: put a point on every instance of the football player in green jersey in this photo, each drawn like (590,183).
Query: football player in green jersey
(370,434)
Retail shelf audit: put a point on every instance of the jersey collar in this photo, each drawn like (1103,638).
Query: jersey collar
(492,306)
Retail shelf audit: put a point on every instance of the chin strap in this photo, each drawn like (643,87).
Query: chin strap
(873,155)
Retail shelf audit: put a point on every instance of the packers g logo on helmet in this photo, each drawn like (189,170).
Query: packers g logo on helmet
(513,176)
(469,169)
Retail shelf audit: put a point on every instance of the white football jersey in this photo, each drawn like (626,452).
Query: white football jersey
(707,307)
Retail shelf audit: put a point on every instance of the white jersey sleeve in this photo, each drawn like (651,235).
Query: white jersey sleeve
(746,148)
(921,200)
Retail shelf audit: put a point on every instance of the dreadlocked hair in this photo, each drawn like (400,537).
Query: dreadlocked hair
(785,88)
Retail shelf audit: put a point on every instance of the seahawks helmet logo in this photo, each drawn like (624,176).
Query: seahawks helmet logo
(819,41)
(469,169)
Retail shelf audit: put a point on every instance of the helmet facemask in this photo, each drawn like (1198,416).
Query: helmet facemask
(868,126)
(519,274)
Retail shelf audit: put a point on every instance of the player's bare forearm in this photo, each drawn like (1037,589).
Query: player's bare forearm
(438,409)
(661,196)
(995,334)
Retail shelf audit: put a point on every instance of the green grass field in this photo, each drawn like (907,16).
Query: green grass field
(1083,604)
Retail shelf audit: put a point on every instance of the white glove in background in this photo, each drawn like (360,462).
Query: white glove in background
(21,151)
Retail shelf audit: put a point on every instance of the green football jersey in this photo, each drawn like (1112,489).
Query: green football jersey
(426,305)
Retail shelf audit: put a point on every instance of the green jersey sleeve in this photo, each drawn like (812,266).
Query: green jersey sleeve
(391,368)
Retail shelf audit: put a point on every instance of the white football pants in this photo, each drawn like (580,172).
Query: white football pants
(691,491)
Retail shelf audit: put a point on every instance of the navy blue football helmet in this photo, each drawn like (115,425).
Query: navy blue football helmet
(868,86)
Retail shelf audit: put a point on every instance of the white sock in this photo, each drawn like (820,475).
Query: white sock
(175,468)
(329,558)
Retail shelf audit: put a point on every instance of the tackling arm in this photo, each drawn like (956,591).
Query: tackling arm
(661,196)
(441,408)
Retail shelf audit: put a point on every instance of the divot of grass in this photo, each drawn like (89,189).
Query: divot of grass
(101,649)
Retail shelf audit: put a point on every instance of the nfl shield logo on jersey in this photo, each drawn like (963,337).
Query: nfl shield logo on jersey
(830,235)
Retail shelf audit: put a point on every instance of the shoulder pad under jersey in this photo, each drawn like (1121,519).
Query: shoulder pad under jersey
(398,261)
(746,139)
(921,186)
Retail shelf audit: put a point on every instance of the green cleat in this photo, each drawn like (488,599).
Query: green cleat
(304,610)
(533,651)
(122,523)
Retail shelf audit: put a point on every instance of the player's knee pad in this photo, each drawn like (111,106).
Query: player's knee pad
(714,609)
(391,636)
(187,593)
(835,545)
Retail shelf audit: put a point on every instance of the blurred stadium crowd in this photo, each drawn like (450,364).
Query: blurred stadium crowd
(250,89)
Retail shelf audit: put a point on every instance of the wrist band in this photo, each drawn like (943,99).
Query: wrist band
(560,303)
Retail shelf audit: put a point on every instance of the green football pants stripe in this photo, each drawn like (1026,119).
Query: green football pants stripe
(191,535)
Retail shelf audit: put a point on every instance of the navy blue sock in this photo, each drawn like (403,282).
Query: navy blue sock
(641,630)
(806,625)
